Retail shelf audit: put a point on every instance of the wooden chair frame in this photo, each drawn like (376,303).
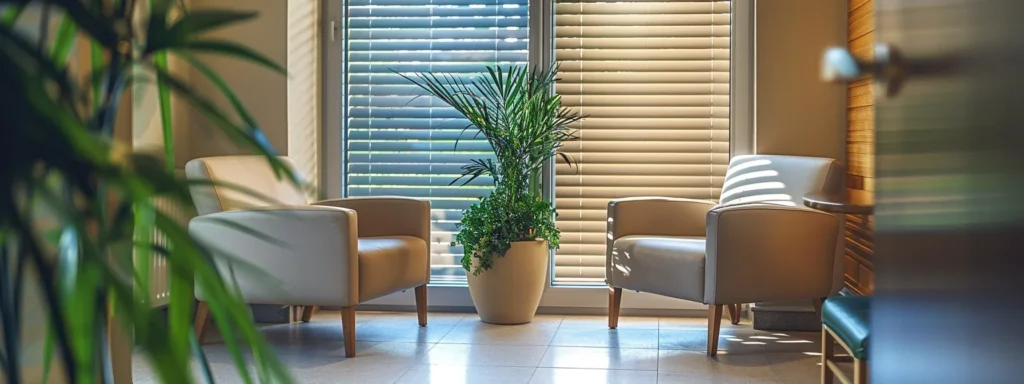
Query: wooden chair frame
(305,314)
(830,368)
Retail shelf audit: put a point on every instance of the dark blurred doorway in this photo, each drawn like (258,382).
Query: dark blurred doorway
(950,195)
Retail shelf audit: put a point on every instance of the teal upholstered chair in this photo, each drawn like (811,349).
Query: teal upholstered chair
(845,319)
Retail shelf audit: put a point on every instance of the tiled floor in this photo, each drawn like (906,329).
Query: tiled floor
(458,348)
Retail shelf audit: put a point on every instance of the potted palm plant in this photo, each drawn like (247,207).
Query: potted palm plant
(78,208)
(507,235)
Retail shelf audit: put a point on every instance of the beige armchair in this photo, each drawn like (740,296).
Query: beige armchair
(759,243)
(337,253)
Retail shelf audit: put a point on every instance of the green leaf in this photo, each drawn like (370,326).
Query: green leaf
(47,353)
(25,56)
(99,26)
(179,312)
(98,63)
(144,226)
(204,364)
(63,41)
(164,97)
(10,14)
(229,313)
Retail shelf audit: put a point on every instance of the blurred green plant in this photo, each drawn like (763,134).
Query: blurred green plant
(522,118)
(77,207)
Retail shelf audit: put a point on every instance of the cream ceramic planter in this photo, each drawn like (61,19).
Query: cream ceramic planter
(510,291)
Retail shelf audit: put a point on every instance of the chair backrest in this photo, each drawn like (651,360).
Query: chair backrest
(785,180)
(251,172)
(779,179)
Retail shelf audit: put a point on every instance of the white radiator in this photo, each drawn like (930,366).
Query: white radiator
(159,287)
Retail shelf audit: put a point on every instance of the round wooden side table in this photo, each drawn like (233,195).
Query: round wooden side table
(851,202)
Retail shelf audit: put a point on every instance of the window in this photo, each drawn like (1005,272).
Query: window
(653,77)
(397,142)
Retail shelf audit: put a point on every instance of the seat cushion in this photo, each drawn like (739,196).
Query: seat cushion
(848,317)
(390,264)
(670,266)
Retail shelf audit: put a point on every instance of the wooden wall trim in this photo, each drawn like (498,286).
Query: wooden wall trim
(860,148)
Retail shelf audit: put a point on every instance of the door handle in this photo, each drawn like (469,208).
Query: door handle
(889,68)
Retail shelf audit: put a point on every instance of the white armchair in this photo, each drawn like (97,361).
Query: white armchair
(758,244)
(339,252)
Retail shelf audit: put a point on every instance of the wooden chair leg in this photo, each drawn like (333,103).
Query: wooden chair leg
(734,313)
(714,324)
(202,318)
(348,326)
(614,302)
(421,304)
(307,313)
(860,371)
(828,352)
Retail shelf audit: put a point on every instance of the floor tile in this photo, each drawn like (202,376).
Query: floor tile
(393,353)
(739,341)
(449,374)
(606,338)
(226,373)
(684,361)
(222,373)
(601,358)
(796,368)
(459,348)
(601,322)
(312,354)
(487,355)
(432,317)
(403,330)
(712,378)
(692,361)
(538,320)
(334,316)
(475,332)
(697,323)
(142,370)
(293,357)
(682,323)
(352,371)
(796,342)
(592,376)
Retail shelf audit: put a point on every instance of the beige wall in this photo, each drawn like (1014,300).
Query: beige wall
(797,113)
(263,91)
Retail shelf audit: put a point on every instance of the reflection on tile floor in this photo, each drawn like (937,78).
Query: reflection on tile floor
(458,348)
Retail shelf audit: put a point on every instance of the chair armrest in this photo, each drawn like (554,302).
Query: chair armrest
(310,255)
(657,216)
(766,252)
(388,216)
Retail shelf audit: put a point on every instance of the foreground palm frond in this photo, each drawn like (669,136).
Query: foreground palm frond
(77,208)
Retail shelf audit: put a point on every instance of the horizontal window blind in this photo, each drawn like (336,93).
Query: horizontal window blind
(399,142)
(653,77)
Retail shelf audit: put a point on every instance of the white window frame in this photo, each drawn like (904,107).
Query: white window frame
(541,51)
